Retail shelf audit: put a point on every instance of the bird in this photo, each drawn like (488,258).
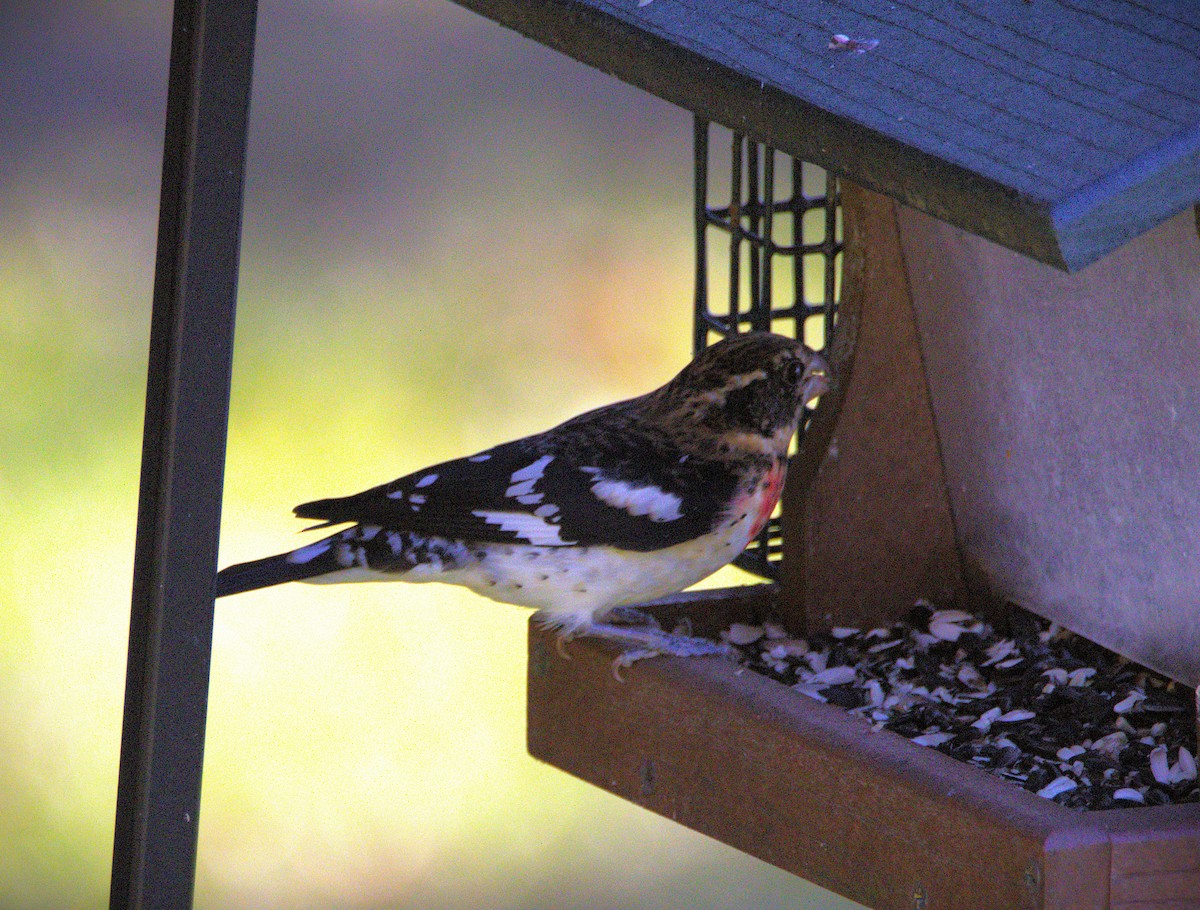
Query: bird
(619,506)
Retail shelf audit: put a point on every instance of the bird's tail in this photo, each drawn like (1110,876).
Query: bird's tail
(316,559)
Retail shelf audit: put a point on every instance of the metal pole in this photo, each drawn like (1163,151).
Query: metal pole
(701,320)
(183,454)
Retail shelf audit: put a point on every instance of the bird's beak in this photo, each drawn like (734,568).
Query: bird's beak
(817,378)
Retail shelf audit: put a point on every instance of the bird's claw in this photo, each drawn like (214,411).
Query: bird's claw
(629,658)
(560,644)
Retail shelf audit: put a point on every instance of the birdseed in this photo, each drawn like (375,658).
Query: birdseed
(1040,707)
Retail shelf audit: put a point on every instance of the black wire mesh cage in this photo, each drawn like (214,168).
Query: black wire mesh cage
(768,258)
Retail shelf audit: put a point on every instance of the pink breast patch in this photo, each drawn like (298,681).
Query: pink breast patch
(768,496)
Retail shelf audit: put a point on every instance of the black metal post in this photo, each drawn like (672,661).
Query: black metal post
(183,454)
(736,234)
(701,321)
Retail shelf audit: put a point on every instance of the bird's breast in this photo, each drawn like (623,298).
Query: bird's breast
(759,501)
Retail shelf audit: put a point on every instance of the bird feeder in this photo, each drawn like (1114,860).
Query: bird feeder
(1007,284)
(1016,339)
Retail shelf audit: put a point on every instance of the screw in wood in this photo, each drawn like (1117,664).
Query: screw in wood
(647,775)
(920,897)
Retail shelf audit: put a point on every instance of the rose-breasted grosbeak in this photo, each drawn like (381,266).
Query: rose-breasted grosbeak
(621,505)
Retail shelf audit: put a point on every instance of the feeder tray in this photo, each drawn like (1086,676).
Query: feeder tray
(1000,431)
(809,788)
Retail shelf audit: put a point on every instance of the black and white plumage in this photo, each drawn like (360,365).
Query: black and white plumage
(624,504)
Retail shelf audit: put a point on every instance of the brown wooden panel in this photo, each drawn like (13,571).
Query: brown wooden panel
(1157,867)
(1068,411)
(1074,873)
(867,522)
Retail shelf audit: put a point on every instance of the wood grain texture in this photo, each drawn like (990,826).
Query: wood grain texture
(866,519)
(1059,129)
(1068,410)
(1157,868)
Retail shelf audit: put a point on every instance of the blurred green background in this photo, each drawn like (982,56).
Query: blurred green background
(452,237)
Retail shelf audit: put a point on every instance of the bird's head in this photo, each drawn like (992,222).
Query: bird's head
(747,392)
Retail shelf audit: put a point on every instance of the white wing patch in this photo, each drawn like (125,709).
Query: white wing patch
(531,528)
(653,502)
(524,480)
(416,498)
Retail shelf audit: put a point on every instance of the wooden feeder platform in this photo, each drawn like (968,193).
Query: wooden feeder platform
(809,788)
(1001,430)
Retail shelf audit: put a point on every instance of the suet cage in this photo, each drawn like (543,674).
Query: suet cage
(768,255)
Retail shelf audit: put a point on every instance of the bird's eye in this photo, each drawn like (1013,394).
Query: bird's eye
(795,371)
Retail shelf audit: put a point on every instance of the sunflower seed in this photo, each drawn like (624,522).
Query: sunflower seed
(833,676)
(1185,768)
(1160,765)
(1081,676)
(742,634)
(932,739)
(1128,794)
(774,631)
(946,631)
(1057,787)
(1011,717)
(1129,702)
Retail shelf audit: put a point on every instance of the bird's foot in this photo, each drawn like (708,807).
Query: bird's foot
(651,641)
(640,641)
(631,616)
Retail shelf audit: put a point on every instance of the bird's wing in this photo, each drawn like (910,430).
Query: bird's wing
(565,487)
